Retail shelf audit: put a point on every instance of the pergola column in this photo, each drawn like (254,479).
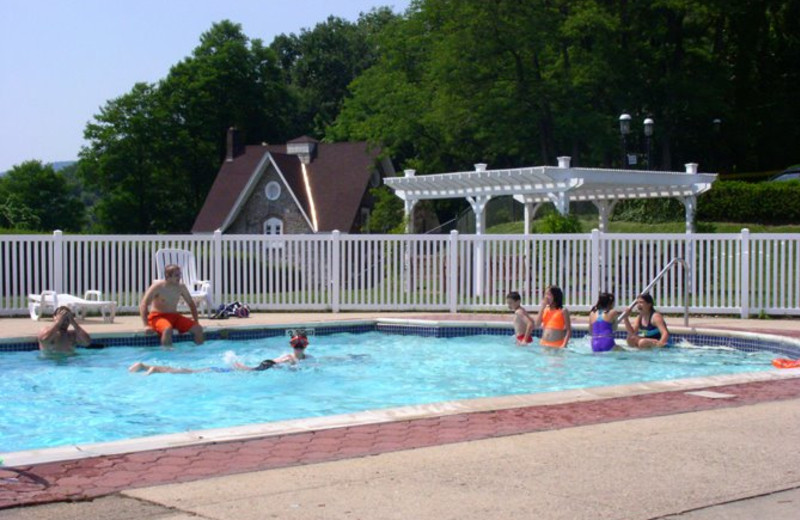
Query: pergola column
(560,200)
(479,208)
(408,206)
(531,208)
(604,210)
(690,206)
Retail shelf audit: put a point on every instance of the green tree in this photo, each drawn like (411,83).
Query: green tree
(154,153)
(319,64)
(387,214)
(128,162)
(35,197)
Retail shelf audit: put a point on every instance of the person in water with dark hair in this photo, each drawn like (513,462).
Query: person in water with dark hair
(603,322)
(523,323)
(649,329)
(554,319)
(299,342)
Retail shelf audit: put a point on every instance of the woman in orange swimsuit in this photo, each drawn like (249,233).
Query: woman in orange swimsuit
(554,319)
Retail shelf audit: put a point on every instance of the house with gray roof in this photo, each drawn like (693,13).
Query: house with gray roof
(303,186)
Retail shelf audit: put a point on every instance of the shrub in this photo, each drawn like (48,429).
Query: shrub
(763,202)
(557,223)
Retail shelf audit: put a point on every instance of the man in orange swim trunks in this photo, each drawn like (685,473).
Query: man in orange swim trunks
(162,298)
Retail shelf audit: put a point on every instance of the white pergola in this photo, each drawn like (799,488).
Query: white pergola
(533,186)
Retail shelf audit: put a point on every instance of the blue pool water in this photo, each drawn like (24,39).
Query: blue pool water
(93,398)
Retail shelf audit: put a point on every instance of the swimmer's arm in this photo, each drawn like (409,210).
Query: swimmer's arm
(529,324)
(568,326)
(612,318)
(632,329)
(147,299)
(81,337)
(659,322)
(187,297)
(286,358)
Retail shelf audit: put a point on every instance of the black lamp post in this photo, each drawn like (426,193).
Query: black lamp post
(717,125)
(624,130)
(648,135)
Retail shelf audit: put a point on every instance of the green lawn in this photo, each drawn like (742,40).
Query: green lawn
(615,226)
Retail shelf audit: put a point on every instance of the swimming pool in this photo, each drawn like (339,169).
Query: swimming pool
(92,398)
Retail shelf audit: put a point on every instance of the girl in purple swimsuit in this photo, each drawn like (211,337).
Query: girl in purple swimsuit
(602,322)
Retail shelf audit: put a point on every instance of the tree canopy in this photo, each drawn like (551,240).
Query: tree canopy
(34,197)
(450,83)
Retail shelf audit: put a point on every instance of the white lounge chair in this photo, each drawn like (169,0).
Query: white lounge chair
(49,301)
(200,290)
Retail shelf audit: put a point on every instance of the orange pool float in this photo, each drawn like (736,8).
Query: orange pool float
(786,363)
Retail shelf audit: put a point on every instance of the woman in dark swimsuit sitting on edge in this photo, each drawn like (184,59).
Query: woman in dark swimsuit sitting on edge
(649,329)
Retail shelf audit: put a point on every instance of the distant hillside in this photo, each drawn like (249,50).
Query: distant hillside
(57,165)
(60,165)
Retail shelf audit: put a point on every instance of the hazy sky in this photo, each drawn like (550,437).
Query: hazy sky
(61,60)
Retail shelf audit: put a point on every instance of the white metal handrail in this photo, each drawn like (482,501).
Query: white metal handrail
(655,280)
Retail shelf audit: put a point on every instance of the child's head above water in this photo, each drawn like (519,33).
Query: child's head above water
(299,340)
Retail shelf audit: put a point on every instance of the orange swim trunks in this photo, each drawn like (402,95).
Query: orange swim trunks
(160,321)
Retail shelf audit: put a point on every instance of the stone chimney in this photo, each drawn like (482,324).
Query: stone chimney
(304,148)
(235,147)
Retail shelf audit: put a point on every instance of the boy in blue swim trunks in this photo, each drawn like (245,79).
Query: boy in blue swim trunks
(299,342)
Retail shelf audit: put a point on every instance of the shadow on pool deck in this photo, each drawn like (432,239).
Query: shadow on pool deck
(642,456)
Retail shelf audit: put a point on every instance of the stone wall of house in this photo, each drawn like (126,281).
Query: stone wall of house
(258,209)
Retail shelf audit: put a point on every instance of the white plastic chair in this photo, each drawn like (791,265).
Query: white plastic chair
(200,290)
(49,301)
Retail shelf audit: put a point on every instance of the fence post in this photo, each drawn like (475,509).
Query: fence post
(596,257)
(217,267)
(452,272)
(58,261)
(744,289)
(335,269)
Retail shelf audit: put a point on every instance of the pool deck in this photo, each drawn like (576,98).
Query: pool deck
(720,448)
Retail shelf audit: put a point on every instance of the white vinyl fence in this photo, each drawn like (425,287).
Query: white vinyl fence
(740,274)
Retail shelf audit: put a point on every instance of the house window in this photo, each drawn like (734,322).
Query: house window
(272,191)
(273,226)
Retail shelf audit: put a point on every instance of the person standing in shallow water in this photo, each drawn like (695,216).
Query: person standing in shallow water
(523,323)
(649,329)
(58,338)
(554,319)
(603,322)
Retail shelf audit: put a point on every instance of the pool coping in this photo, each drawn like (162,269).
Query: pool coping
(404,413)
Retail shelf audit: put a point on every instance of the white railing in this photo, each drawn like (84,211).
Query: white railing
(740,274)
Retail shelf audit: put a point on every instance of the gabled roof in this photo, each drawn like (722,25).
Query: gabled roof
(337,179)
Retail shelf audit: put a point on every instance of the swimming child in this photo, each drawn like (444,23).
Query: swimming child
(554,319)
(603,322)
(523,323)
(650,329)
(299,342)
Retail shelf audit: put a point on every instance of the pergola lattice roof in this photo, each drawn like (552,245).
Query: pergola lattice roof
(539,184)
(559,185)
